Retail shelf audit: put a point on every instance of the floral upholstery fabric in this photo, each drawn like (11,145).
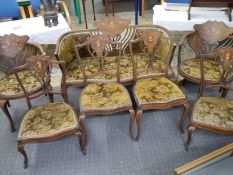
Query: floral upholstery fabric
(191,67)
(142,62)
(104,95)
(47,120)
(92,65)
(9,86)
(214,111)
(157,90)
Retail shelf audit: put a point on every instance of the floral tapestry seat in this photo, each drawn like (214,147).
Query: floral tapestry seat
(191,68)
(10,87)
(104,96)
(214,112)
(48,120)
(74,73)
(156,90)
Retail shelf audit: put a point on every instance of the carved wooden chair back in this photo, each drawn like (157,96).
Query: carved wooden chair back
(98,45)
(210,36)
(117,29)
(40,68)
(224,58)
(154,42)
(10,48)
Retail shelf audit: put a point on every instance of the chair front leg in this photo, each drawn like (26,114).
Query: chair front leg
(182,119)
(191,128)
(138,123)
(20,148)
(7,114)
(82,140)
(131,122)
(83,126)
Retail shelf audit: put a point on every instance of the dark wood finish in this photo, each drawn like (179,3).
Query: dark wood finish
(84,11)
(224,57)
(96,45)
(41,68)
(15,50)
(149,41)
(212,3)
(206,40)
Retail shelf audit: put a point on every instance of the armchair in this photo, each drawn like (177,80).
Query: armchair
(49,121)
(14,50)
(215,113)
(206,39)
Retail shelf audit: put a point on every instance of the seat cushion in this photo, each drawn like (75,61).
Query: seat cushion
(214,111)
(9,86)
(104,95)
(47,120)
(191,68)
(156,90)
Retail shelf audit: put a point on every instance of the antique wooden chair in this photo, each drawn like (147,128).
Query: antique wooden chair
(155,91)
(49,121)
(214,113)
(206,39)
(102,96)
(14,50)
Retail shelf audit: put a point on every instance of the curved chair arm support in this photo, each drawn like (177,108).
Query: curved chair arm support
(181,43)
(39,46)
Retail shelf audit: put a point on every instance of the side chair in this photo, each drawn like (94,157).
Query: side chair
(154,91)
(215,113)
(102,96)
(49,121)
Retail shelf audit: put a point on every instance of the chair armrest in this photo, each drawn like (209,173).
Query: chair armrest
(37,45)
(193,164)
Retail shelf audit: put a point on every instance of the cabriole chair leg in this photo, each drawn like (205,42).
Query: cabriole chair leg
(184,115)
(191,128)
(22,151)
(6,112)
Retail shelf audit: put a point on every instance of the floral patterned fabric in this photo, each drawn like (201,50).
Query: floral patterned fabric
(9,86)
(104,95)
(47,120)
(191,67)
(92,65)
(142,62)
(214,111)
(157,90)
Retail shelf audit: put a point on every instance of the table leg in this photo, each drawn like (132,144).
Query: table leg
(136,11)
(93,8)
(84,12)
(106,7)
(142,8)
(77,11)
(113,7)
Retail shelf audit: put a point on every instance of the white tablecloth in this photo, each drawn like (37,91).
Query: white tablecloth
(178,20)
(35,29)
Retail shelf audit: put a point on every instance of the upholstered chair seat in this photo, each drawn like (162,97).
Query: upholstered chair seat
(156,90)
(215,112)
(103,96)
(48,120)
(191,68)
(9,86)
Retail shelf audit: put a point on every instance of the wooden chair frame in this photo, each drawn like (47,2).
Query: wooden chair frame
(42,66)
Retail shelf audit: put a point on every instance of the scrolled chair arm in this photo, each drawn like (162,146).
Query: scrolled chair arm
(38,46)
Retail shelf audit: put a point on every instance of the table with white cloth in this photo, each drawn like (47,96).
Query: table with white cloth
(35,29)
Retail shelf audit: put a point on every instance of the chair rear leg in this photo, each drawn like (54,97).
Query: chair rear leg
(83,126)
(131,122)
(23,152)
